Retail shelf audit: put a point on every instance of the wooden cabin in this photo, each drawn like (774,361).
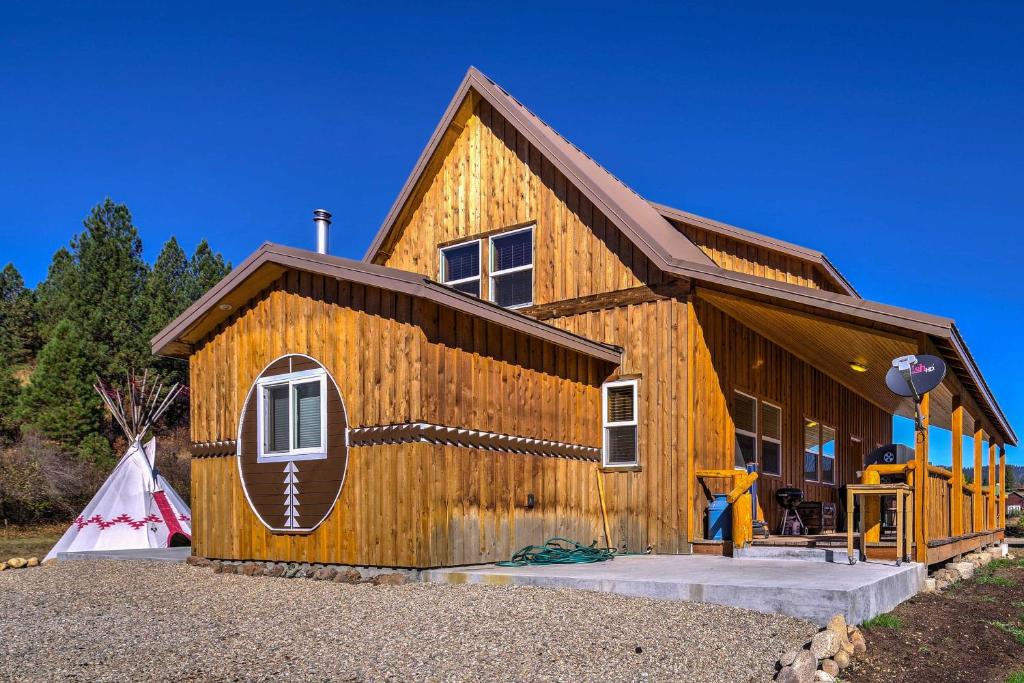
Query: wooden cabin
(528,349)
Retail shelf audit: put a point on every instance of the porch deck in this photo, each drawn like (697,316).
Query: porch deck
(808,590)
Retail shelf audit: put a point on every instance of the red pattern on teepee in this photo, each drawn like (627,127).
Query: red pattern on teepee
(103,524)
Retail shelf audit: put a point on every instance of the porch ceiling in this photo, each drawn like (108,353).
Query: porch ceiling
(831,345)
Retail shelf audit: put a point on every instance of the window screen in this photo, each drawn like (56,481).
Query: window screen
(276,402)
(744,409)
(771,439)
(620,423)
(512,269)
(460,267)
(307,415)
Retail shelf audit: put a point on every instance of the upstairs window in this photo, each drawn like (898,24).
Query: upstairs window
(460,267)
(619,410)
(292,414)
(511,268)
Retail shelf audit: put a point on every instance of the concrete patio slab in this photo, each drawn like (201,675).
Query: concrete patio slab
(809,590)
(153,554)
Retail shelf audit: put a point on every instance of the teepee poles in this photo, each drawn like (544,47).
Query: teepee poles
(141,407)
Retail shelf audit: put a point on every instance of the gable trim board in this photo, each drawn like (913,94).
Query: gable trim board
(270,260)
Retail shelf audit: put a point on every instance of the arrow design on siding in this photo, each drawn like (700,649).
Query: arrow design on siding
(291,503)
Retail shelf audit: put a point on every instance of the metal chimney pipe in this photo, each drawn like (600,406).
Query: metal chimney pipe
(322,218)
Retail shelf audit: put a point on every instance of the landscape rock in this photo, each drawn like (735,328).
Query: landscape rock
(348,575)
(230,568)
(3,566)
(325,574)
(16,562)
(860,647)
(842,659)
(787,658)
(389,579)
(964,569)
(825,644)
(942,584)
(804,666)
(218,567)
(197,561)
(32,562)
(995,553)
(829,666)
(274,570)
(929,586)
(251,569)
(838,625)
(788,675)
(846,647)
(292,571)
(824,676)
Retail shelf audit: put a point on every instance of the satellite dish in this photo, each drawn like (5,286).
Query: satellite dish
(926,372)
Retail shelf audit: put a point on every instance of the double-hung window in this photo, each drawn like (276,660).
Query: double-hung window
(819,452)
(511,268)
(758,433)
(460,267)
(293,415)
(619,418)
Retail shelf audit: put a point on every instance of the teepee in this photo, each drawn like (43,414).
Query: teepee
(135,507)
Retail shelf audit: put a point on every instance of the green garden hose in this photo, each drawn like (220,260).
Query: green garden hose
(559,551)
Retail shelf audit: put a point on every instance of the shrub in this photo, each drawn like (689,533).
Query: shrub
(40,482)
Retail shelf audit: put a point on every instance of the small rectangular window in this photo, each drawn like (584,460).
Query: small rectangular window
(619,417)
(828,455)
(292,414)
(811,449)
(511,268)
(460,267)
(771,439)
(745,419)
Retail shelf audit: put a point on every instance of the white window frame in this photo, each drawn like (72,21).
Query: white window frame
(479,265)
(770,439)
(606,424)
(290,380)
(492,273)
(744,432)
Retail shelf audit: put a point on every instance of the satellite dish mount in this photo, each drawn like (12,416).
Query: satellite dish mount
(914,376)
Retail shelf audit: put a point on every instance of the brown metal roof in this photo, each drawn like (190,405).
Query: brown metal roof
(270,260)
(810,255)
(630,212)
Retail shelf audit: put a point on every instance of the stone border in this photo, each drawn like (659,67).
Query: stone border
(824,656)
(300,570)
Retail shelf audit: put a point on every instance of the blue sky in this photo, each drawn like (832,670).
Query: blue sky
(886,136)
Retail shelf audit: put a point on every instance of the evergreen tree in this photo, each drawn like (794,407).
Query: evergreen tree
(106,303)
(208,268)
(17,318)
(53,293)
(10,389)
(59,401)
(169,287)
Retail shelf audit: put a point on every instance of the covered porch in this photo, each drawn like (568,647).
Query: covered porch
(853,342)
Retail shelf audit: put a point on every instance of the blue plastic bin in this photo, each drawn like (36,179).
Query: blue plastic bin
(720,519)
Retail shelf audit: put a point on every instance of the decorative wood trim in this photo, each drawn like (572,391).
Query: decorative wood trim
(468,438)
(595,302)
(213,449)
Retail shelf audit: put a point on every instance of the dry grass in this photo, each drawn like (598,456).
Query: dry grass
(30,540)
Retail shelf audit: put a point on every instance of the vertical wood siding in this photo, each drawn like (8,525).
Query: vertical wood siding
(487,177)
(725,356)
(753,259)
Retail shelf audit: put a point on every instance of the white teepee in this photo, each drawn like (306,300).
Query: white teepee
(135,507)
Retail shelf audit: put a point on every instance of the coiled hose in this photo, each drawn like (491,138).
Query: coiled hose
(559,551)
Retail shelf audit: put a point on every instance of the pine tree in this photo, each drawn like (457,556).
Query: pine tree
(10,389)
(208,268)
(59,401)
(53,293)
(17,318)
(106,303)
(169,287)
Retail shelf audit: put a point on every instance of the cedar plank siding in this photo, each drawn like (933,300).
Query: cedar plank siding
(753,259)
(396,359)
(487,177)
(725,356)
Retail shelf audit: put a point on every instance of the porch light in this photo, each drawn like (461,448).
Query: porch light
(857,366)
(225,307)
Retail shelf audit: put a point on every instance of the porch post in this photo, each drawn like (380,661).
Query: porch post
(992,484)
(921,482)
(979,504)
(957,497)
(1002,486)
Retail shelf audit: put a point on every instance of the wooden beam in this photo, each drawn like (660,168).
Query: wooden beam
(979,503)
(921,482)
(992,522)
(957,497)
(1002,486)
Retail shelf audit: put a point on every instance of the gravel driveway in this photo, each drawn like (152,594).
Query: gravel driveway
(121,621)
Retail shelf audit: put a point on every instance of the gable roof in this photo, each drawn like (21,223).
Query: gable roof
(796,251)
(658,239)
(268,262)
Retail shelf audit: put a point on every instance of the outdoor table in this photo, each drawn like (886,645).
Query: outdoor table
(904,507)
